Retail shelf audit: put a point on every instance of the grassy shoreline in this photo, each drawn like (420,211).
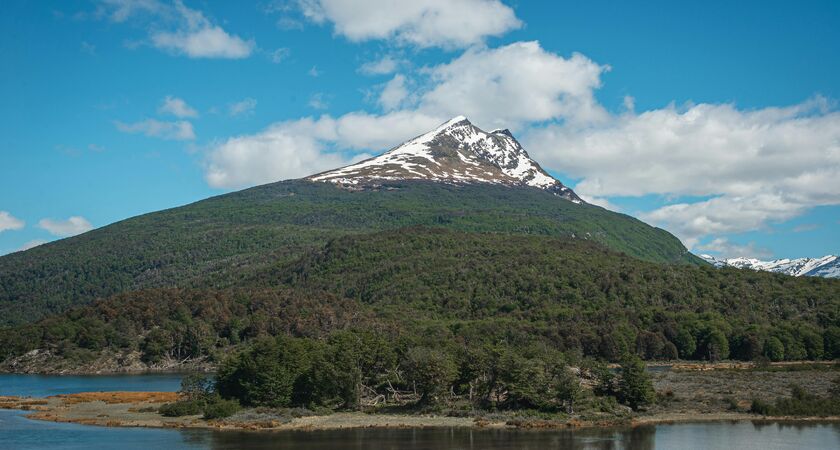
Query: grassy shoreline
(697,392)
(121,409)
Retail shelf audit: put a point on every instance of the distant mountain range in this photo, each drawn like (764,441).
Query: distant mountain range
(826,267)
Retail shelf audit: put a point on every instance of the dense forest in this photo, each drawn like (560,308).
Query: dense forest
(454,292)
(215,243)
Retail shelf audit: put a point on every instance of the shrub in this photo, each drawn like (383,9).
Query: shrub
(220,408)
(182,408)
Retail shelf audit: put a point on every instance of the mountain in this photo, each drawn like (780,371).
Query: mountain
(455,152)
(218,242)
(826,267)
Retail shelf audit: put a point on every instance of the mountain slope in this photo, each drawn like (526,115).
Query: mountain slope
(826,267)
(218,241)
(455,152)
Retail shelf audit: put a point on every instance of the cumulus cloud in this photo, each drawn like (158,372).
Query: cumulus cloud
(514,84)
(177,29)
(298,148)
(754,167)
(393,93)
(177,107)
(63,228)
(502,87)
(180,130)
(10,222)
(121,10)
(31,244)
(199,38)
(383,66)
(318,101)
(244,106)
(279,55)
(723,248)
(421,23)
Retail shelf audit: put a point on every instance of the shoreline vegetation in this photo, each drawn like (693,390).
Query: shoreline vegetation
(695,392)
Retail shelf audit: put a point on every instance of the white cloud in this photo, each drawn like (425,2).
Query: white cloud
(245,106)
(504,87)
(513,84)
(806,227)
(121,10)
(64,228)
(383,66)
(422,23)
(180,130)
(600,201)
(10,222)
(177,107)
(31,244)
(180,30)
(280,54)
(758,167)
(314,72)
(724,249)
(318,101)
(299,148)
(393,93)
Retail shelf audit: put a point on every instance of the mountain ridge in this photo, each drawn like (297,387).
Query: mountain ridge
(827,266)
(455,152)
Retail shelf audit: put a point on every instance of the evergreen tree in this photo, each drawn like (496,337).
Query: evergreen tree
(635,387)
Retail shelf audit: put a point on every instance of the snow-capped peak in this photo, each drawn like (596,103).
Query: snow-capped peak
(455,152)
(827,266)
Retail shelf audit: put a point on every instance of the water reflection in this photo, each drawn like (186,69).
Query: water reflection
(639,438)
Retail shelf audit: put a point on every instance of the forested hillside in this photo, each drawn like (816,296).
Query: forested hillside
(217,242)
(436,287)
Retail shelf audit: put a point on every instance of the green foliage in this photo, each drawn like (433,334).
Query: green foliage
(635,388)
(774,349)
(426,286)
(800,403)
(196,386)
(220,408)
(431,372)
(267,373)
(182,408)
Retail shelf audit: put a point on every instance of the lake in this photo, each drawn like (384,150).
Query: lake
(17,432)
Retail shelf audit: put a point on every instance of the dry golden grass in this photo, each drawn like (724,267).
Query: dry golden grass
(119,397)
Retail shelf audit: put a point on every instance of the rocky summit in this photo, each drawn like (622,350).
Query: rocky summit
(456,152)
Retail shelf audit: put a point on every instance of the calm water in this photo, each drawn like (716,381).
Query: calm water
(45,385)
(17,432)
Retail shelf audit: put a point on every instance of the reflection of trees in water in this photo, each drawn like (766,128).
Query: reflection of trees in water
(638,438)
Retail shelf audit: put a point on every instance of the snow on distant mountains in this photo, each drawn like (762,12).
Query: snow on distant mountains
(455,152)
(827,266)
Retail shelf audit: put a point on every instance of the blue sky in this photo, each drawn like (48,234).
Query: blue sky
(715,121)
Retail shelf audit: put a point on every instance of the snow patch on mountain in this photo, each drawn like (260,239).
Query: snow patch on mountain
(827,266)
(455,152)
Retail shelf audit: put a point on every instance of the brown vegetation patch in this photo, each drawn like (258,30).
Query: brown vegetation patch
(119,397)
(24,403)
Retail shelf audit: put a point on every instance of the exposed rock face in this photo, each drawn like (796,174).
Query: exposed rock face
(455,152)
